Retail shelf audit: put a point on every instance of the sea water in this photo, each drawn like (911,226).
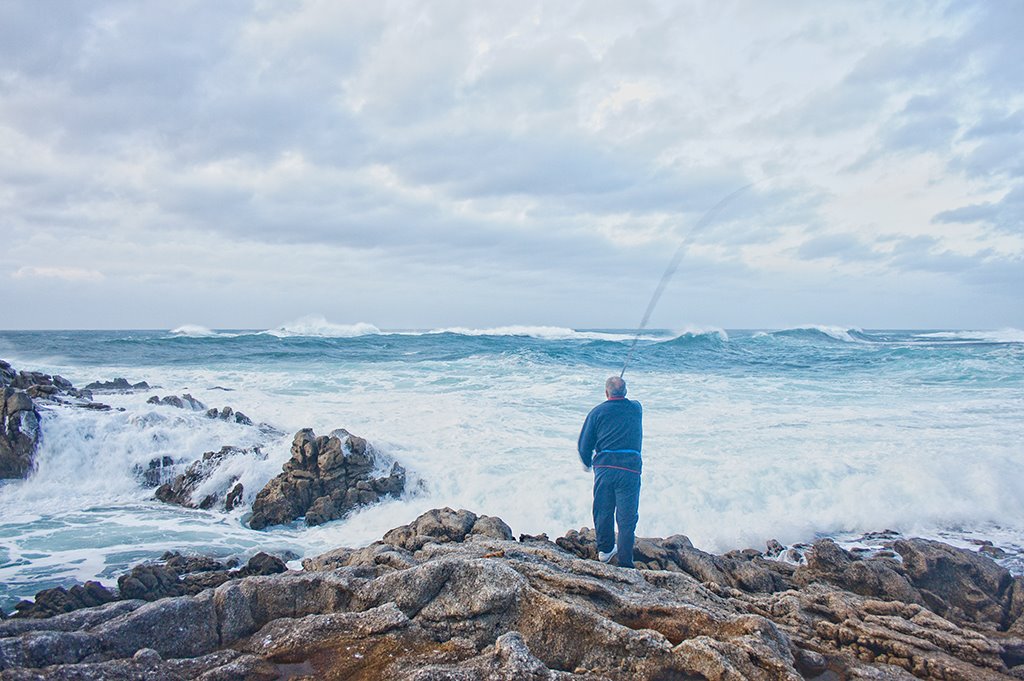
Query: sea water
(750,435)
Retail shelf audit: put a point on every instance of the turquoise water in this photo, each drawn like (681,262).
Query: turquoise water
(749,435)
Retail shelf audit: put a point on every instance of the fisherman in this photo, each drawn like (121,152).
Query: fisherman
(614,430)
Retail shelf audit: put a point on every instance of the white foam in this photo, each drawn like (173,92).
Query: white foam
(840,333)
(318,326)
(194,331)
(730,459)
(1007,335)
(699,331)
(542,332)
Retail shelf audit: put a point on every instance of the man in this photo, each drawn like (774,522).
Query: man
(614,430)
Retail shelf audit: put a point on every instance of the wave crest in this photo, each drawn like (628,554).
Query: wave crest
(812,331)
(194,331)
(317,326)
(1007,335)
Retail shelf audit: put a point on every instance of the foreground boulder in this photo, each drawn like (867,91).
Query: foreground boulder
(325,478)
(452,596)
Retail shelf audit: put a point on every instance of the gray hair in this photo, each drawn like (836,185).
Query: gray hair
(615,387)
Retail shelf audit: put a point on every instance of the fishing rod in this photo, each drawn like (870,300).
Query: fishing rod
(673,264)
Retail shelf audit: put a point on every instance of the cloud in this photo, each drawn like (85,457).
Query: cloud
(71,274)
(551,143)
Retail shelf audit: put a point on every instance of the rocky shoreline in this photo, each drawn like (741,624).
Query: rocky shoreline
(454,595)
(326,478)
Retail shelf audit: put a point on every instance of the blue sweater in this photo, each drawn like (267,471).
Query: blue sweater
(614,430)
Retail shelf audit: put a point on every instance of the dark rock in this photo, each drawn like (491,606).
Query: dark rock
(157,471)
(186,401)
(325,478)
(263,564)
(228,414)
(956,583)
(50,602)
(234,497)
(181,490)
(19,433)
(150,582)
(141,385)
(116,384)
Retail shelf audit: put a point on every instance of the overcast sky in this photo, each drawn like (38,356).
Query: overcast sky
(417,165)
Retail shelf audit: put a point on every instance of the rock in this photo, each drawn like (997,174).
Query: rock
(50,602)
(234,497)
(451,596)
(325,478)
(186,401)
(956,583)
(157,471)
(116,384)
(878,577)
(19,433)
(183,489)
(150,583)
(228,414)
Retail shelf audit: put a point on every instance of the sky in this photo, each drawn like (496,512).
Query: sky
(432,164)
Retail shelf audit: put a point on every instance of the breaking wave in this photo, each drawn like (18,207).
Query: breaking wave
(820,332)
(316,326)
(1008,335)
(194,331)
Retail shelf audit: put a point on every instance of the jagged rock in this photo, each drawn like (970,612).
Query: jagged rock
(19,432)
(957,583)
(119,385)
(446,525)
(878,577)
(150,583)
(56,601)
(234,497)
(325,478)
(186,401)
(228,414)
(182,490)
(746,571)
(445,602)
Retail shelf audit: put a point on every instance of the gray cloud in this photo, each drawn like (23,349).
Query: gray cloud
(557,141)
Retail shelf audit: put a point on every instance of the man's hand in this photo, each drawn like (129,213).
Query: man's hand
(586,468)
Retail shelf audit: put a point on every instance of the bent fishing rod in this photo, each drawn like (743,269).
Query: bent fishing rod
(673,264)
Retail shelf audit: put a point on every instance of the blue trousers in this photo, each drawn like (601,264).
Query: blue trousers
(616,499)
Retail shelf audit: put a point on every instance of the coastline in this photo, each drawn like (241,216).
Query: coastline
(455,595)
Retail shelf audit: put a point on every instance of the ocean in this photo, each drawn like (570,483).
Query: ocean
(750,435)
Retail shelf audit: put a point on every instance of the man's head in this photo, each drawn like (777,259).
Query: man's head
(615,387)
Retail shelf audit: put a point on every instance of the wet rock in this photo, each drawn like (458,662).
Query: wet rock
(118,385)
(150,583)
(325,478)
(228,414)
(956,583)
(19,433)
(234,497)
(50,602)
(184,488)
(185,401)
(157,471)
(877,577)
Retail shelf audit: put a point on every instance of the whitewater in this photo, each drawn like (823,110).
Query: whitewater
(750,435)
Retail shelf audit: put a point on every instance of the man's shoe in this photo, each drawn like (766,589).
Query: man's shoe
(605,557)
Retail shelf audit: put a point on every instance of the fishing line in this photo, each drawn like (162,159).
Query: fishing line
(673,264)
